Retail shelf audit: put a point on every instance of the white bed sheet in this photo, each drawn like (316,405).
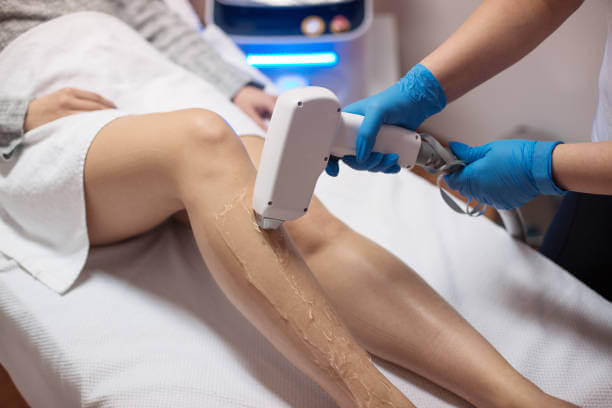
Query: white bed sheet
(146,325)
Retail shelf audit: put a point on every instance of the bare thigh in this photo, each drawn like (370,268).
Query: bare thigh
(130,171)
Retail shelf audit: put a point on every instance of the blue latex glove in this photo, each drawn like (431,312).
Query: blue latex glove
(377,162)
(504,174)
(417,96)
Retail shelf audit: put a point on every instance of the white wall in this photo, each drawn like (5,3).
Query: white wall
(553,90)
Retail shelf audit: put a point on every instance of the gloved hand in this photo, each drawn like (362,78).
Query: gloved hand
(504,174)
(408,103)
(377,162)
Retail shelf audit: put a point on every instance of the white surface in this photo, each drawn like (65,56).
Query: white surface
(553,90)
(602,124)
(41,190)
(147,326)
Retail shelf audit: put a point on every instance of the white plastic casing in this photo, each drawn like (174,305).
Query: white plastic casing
(391,139)
(306,127)
(297,146)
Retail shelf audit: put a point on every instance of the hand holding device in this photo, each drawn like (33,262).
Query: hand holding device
(407,103)
(306,129)
(505,173)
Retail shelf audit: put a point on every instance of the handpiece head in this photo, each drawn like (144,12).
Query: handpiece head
(296,150)
(267,223)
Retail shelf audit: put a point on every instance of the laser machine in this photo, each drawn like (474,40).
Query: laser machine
(301,42)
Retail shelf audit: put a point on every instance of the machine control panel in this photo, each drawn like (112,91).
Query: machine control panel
(265,18)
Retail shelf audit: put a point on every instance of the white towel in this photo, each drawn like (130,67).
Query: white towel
(42,212)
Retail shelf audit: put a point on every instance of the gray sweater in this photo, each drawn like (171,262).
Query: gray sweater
(151,18)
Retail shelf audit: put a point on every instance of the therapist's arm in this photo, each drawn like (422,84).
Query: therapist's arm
(583,167)
(495,36)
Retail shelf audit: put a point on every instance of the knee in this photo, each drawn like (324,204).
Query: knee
(206,141)
(205,130)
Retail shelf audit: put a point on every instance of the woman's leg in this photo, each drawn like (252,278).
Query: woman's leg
(142,169)
(399,317)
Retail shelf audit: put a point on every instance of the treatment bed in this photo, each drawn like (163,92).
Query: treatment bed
(145,325)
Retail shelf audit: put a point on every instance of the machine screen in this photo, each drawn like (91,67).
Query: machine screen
(288,18)
(281,3)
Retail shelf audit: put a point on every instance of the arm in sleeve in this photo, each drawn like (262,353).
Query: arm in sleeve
(183,45)
(12,117)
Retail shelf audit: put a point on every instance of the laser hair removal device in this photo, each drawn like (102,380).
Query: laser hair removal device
(307,126)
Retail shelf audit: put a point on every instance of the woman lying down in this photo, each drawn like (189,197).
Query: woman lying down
(94,172)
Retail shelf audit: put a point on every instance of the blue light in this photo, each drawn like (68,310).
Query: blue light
(287,82)
(316,59)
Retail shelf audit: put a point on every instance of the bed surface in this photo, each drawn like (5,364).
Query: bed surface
(147,326)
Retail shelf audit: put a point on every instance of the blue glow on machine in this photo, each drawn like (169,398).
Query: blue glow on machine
(291,81)
(315,59)
(301,42)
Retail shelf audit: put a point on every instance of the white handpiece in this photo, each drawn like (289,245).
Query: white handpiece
(391,139)
(306,127)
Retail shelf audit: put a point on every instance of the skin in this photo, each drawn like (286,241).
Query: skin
(584,167)
(498,34)
(255,103)
(66,101)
